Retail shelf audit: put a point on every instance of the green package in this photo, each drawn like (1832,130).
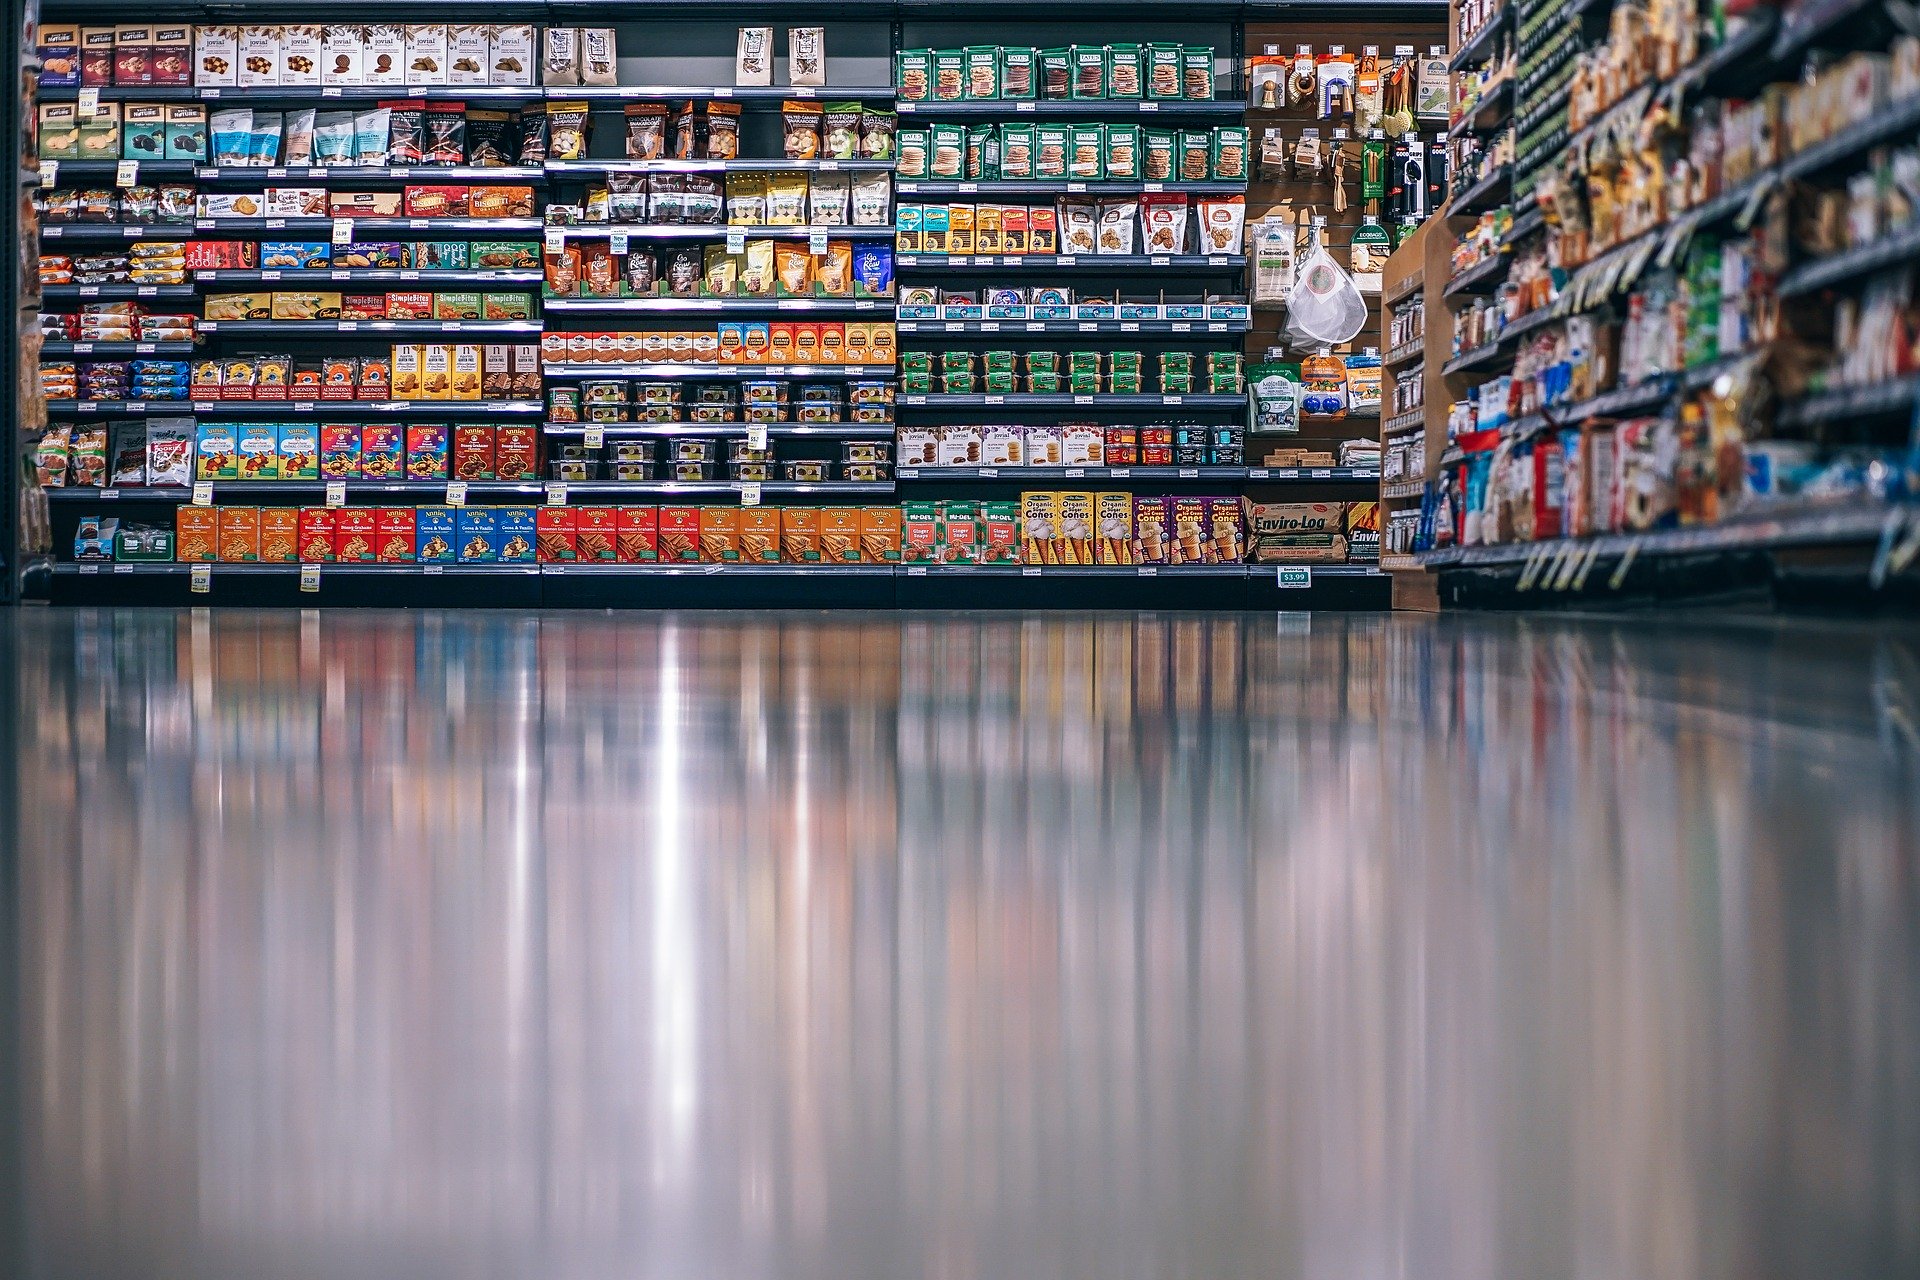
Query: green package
(1196,155)
(1089,71)
(1043,362)
(1124,384)
(956,361)
(1079,362)
(1001,381)
(912,160)
(1016,151)
(1123,151)
(1160,147)
(983,153)
(949,153)
(1230,152)
(1000,361)
(1196,73)
(949,75)
(960,384)
(1056,73)
(1125,68)
(913,74)
(983,71)
(1016,73)
(1163,70)
(1044,384)
(916,383)
(1124,361)
(1084,384)
(1050,150)
(1087,152)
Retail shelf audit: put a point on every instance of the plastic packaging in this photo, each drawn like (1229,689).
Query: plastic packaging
(1325,308)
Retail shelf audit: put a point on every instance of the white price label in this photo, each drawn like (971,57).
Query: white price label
(1120,473)
(49,172)
(200,579)
(1293,575)
(1189,473)
(617,243)
(1160,260)
(556,240)
(989,473)
(1149,570)
(127,174)
(1256,473)
(557,495)
(269,275)
(749,493)
(343,230)
(1149,106)
(1076,473)
(736,239)
(309,577)
(1171,400)
(203,493)
(1030,571)
(1023,106)
(432,569)
(1083,399)
(330,91)
(1089,326)
(456,493)
(757,435)
(916,571)
(1321,473)
(594,437)
(89,106)
(817,243)
(336,493)
(1076,188)
(993,400)
(1129,326)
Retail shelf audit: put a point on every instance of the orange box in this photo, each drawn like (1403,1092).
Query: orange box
(393,535)
(720,535)
(833,342)
(859,348)
(556,534)
(679,534)
(800,535)
(316,534)
(354,530)
(596,530)
(637,534)
(760,535)
(880,535)
(806,342)
(885,349)
(780,339)
(279,535)
(239,534)
(840,535)
(196,535)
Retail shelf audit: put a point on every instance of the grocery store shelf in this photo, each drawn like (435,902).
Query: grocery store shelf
(106,171)
(1402,291)
(1405,353)
(426,278)
(1488,193)
(560,372)
(116,348)
(364,228)
(712,231)
(1793,525)
(1526,324)
(774,94)
(1862,264)
(63,292)
(1702,376)
(594,168)
(1744,62)
(360,174)
(716,306)
(281,409)
(1641,398)
(1880,400)
(1538,113)
(1061,186)
(1481,277)
(1069,261)
(1031,400)
(1404,489)
(1493,110)
(1411,420)
(775,431)
(333,328)
(627,490)
(434,492)
(1085,108)
(116,231)
(1072,326)
(1025,474)
(1482,357)
(316,95)
(1483,42)
(1881,128)
(1525,224)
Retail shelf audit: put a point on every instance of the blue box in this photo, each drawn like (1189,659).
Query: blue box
(433,534)
(284,255)
(516,534)
(477,535)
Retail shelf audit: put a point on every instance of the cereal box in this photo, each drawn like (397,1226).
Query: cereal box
(1076,528)
(1151,520)
(679,534)
(880,535)
(840,535)
(515,534)
(514,451)
(196,534)
(216,452)
(1113,517)
(239,534)
(280,535)
(556,534)
(636,534)
(1189,527)
(383,451)
(1226,531)
(258,450)
(476,531)
(354,531)
(1040,527)
(433,534)
(720,535)
(316,530)
(800,535)
(340,451)
(473,452)
(597,532)
(426,452)
(394,535)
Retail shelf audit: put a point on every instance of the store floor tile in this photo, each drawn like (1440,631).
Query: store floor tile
(970,946)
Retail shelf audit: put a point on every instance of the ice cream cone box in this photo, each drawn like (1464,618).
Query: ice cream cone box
(1076,527)
(1039,527)
(1152,529)
(1113,519)
(1189,528)
(1226,531)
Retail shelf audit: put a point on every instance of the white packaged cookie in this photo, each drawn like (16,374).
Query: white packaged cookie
(468,53)
(753,56)
(426,62)
(385,59)
(510,55)
(343,60)
(216,56)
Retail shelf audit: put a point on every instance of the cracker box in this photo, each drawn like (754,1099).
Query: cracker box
(1076,528)
(1113,519)
(472,452)
(394,535)
(340,451)
(1226,531)
(760,535)
(637,534)
(279,535)
(144,135)
(216,452)
(216,56)
(880,533)
(476,535)
(467,54)
(59,131)
(186,131)
(239,534)
(920,533)
(1040,527)
(1151,522)
(999,533)
(354,531)
(433,534)
(514,453)
(800,535)
(196,534)
(597,534)
(496,372)
(840,535)
(383,451)
(556,534)
(316,532)
(720,535)
(100,133)
(1296,532)
(258,451)
(679,534)
(517,532)
(426,452)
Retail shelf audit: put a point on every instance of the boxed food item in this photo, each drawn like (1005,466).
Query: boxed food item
(434,531)
(1113,518)
(637,534)
(515,449)
(1076,510)
(258,57)
(303,51)
(800,535)
(258,449)
(1041,541)
(344,52)
(186,131)
(1296,532)
(340,451)
(279,535)
(59,55)
(840,535)
(216,56)
(515,535)
(395,535)
(315,534)
(239,534)
(760,535)
(476,533)
(383,451)
(143,135)
(679,534)
(426,452)
(196,534)
(1152,520)
(216,452)
(510,54)
(132,55)
(556,534)
(920,533)
(426,55)
(880,534)
(299,448)
(59,131)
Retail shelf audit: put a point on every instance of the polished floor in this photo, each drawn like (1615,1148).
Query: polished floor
(964,947)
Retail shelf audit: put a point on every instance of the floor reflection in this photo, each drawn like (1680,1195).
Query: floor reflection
(1340,948)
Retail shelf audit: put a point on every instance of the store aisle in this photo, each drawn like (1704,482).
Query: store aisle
(966,947)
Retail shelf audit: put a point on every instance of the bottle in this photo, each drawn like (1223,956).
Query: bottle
(1373,166)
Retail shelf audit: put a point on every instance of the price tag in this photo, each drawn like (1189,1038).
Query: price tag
(749,493)
(617,243)
(967,188)
(309,577)
(432,569)
(203,493)
(330,91)
(1321,473)
(108,495)
(1217,260)
(1153,186)
(956,326)
(723,91)
(1089,326)
(1293,575)
(1160,260)
(276,224)
(146,291)
(556,240)
(1083,399)
(404,275)
(1256,473)
(1120,473)
(557,495)
(994,399)
(1076,473)
(1030,571)
(200,579)
(302,406)
(89,568)
(1023,106)
(757,435)
(736,239)
(989,473)
(89,290)
(209,93)
(908,473)
(89,102)
(83,348)
(817,242)
(127,174)
(456,493)
(1148,571)
(916,571)
(343,230)
(1129,326)
(336,493)
(49,172)
(829,166)
(269,275)
(594,437)
(989,326)
(87,406)
(1189,473)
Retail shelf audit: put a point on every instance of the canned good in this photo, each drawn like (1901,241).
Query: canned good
(607,413)
(750,470)
(867,451)
(693,471)
(740,451)
(693,451)
(563,404)
(633,472)
(866,472)
(804,471)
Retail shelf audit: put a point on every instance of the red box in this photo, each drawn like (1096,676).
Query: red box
(514,453)
(555,534)
(636,537)
(222,255)
(393,534)
(679,536)
(354,532)
(472,453)
(435,202)
(317,527)
(598,531)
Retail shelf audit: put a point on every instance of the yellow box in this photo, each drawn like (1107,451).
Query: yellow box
(436,371)
(960,228)
(407,360)
(1040,527)
(1113,528)
(466,372)
(1076,527)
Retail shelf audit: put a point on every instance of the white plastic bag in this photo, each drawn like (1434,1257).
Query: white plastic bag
(1325,308)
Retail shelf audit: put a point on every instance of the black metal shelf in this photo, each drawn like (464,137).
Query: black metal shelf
(723,430)
(426,278)
(1487,193)
(1484,356)
(357,174)
(82,292)
(1068,262)
(90,231)
(714,231)
(771,164)
(1525,224)
(365,228)
(562,372)
(1791,526)
(1480,46)
(434,492)
(1493,110)
(277,410)
(377,328)
(1855,264)
(178,348)
(761,94)
(1879,400)
(318,95)
(718,306)
(1060,186)
(1083,108)
(1031,400)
